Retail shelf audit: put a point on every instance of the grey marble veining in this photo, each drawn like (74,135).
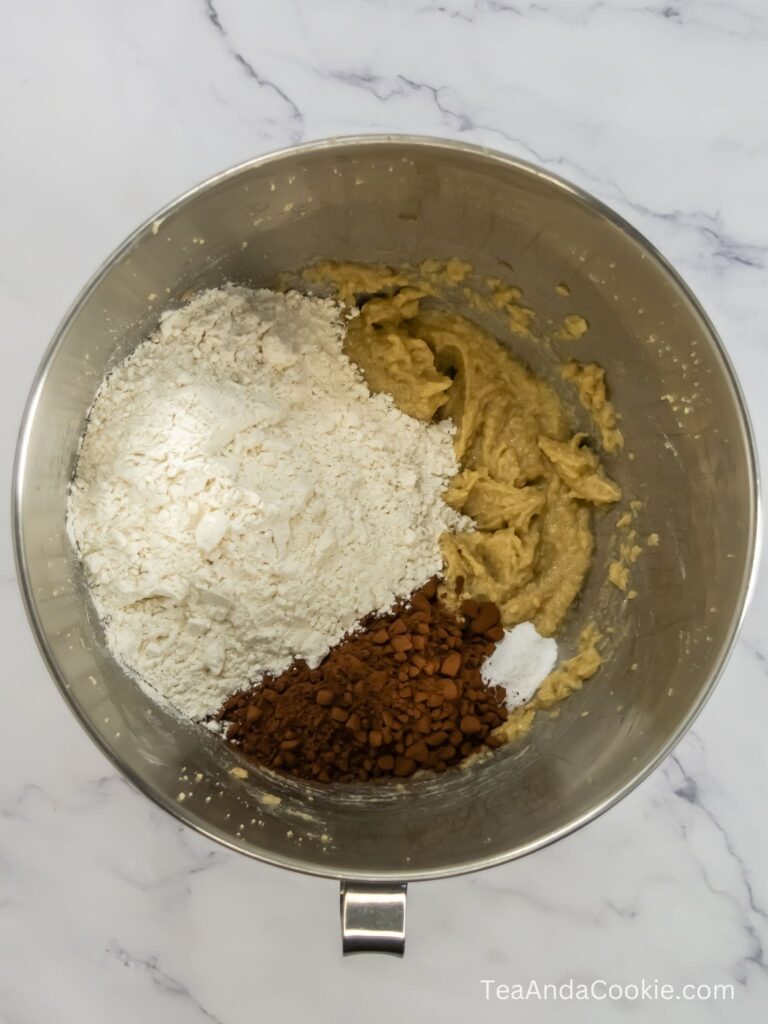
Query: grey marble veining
(108,908)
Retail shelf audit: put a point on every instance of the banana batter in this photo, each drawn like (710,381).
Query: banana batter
(527,480)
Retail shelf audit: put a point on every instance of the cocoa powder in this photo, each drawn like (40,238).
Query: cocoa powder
(403,693)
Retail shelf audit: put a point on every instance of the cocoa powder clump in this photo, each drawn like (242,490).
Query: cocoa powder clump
(403,693)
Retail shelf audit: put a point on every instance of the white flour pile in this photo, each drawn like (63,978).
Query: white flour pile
(241,499)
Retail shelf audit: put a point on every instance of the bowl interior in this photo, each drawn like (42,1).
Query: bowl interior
(691,467)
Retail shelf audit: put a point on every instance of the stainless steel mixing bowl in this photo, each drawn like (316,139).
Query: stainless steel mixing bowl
(693,468)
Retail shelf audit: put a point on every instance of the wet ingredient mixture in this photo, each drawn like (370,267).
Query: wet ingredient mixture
(527,480)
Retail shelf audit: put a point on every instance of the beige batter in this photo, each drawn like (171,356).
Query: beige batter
(526,479)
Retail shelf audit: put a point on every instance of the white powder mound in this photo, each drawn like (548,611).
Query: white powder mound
(242,500)
(521,662)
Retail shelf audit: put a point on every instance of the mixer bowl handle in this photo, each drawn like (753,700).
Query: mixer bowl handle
(373,917)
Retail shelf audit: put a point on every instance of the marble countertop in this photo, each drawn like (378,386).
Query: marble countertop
(108,908)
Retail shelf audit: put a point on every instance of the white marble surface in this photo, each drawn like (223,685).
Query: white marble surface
(108,909)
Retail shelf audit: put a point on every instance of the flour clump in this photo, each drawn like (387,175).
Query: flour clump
(241,500)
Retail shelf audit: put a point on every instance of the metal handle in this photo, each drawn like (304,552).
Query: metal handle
(373,918)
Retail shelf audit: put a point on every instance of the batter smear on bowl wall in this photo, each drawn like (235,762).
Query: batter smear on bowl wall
(344,530)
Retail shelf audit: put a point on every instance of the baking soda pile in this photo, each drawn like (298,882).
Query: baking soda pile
(241,500)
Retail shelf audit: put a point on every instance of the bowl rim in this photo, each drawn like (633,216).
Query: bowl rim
(448,146)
